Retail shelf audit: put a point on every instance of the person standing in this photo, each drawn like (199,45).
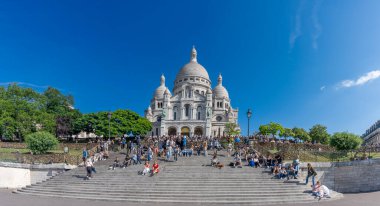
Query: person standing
(84,155)
(176,151)
(129,147)
(139,154)
(89,165)
(149,154)
(310,173)
(184,142)
(205,147)
(123,142)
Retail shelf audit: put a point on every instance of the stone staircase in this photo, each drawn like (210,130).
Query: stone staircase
(188,180)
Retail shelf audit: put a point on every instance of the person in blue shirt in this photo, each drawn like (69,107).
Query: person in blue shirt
(184,141)
(84,155)
(123,142)
(237,139)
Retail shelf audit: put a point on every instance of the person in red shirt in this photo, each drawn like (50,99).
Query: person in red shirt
(155,167)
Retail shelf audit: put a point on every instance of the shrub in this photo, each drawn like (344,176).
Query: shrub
(41,142)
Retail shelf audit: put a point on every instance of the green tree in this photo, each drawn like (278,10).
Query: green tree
(345,141)
(264,129)
(286,133)
(318,133)
(301,134)
(275,128)
(122,122)
(41,142)
(232,129)
(24,111)
(61,106)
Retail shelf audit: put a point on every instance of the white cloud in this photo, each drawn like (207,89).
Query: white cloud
(23,83)
(296,33)
(322,88)
(360,81)
(317,26)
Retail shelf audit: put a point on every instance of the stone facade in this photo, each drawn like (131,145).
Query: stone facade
(193,108)
(372,135)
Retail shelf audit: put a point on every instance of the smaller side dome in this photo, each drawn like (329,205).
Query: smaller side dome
(167,92)
(220,91)
(159,92)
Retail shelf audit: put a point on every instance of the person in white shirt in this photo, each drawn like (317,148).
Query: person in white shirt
(89,166)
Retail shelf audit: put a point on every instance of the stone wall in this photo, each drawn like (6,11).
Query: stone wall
(16,175)
(352,177)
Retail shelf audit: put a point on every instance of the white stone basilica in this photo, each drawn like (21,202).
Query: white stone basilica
(193,109)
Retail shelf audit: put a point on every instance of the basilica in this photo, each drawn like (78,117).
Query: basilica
(193,107)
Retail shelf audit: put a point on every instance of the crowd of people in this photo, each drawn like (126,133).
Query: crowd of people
(170,148)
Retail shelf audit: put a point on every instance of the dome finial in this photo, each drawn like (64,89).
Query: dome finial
(162,79)
(220,79)
(193,55)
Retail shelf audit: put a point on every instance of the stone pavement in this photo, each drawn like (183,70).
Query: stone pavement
(7,198)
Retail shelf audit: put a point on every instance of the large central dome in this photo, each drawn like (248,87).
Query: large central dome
(192,69)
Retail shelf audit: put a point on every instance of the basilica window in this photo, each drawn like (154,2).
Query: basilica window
(199,113)
(174,113)
(187,110)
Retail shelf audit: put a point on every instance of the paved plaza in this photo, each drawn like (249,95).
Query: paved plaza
(9,199)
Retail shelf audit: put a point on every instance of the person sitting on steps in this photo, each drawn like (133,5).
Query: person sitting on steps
(214,161)
(146,168)
(116,163)
(237,161)
(155,168)
(283,173)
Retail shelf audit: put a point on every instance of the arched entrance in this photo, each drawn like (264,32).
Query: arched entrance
(198,131)
(185,131)
(172,131)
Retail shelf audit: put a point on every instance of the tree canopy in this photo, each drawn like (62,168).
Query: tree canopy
(318,133)
(24,111)
(121,122)
(301,134)
(271,128)
(286,133)
(345,141)
(232,129)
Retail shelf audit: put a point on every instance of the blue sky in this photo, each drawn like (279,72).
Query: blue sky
(294,62)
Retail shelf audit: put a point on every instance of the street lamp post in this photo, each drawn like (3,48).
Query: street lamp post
(249,114)
(109,124)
